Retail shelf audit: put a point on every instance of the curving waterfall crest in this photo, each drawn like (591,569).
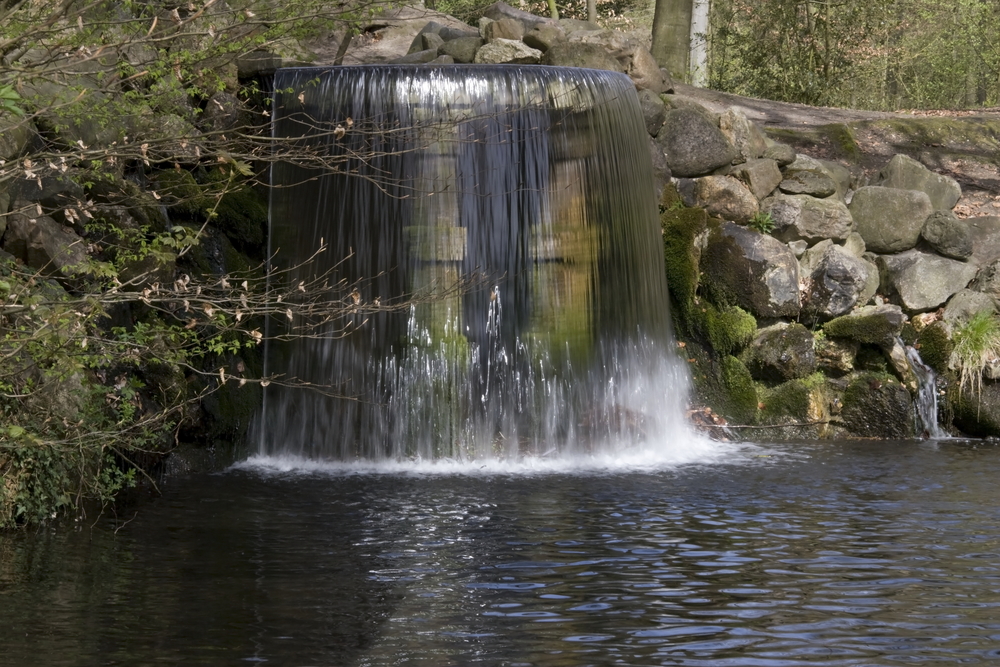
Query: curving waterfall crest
(497,228)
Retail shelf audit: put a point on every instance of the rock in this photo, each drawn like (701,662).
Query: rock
(507,51)
(838,283)
(781,352)
(948,235)
(761,175)
(745,136)
(444,59)
(258,63)
(55,192)
(15,133)
(752,270)
(579,54)
(855,245)
(977,413)
(544,36)
(876,325)
(923,281)
(503,28)
(225,112)
(578,25)
(888,219)
(641,67)
(840,174)
(835,356)
(70,110)
(45,245)
(809,260)
(877,406)
(172,139)
(724,197)
(905,173)
(416,58)
(462,49)
(966,303)
(693,145)
(988,280)
(500,10)
(390,33)
(428,39)
(661,170)
(783,154)
(807,218)
(812,183)
(798,248)
(654,112)
(985,232)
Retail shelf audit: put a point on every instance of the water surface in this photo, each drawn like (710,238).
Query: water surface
(820,554)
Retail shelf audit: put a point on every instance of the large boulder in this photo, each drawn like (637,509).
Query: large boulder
(801,217)
(654,111)
(985,232)
(967,303)
(722,196)
(642,68)
(501,10)
(45,245)
(781,352)
(812,183)
(581,54)
(948,235)
(507,51)
(751,270)
(15,133)
(905,173)
(693,144)
(923,281)
(504,28)
(888,219)
(462,49)
(544,36)
(761,175)
(878,406)
(745,136)
(661,170)
(874,325)
(838,283)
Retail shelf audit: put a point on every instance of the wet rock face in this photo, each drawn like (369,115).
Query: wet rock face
(977,413)
(781,352)
(890,220)
(752,270)
(877,406)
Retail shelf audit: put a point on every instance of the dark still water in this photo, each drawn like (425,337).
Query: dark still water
(819,554)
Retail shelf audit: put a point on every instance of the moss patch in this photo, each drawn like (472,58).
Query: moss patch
(798,399)
(935,346)
(874,329)
(681,255)
(183,197)
(739,401)
(727,330)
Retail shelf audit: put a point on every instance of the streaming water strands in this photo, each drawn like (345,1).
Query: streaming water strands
(516,204)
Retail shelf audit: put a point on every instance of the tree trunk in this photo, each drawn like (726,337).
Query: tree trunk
(592,11)
(672,36)
(553,10)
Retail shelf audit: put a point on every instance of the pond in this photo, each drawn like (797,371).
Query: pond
(827,553)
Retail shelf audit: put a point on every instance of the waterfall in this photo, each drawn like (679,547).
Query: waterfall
(504,220)
(927,402)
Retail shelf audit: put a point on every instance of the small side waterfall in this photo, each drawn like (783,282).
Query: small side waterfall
(516,205)
(927,402)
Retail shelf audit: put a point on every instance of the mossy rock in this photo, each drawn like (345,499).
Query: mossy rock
(976,413)
(739,402)
(871,358)
(781,352)
(727,330)
(681,226)
(935,346)
(871,324)
(242,215)
(876,405)
(184,198)
(802,405)
(839,138)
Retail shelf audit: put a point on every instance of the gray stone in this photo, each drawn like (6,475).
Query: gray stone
(948,235)
(752,270)
(443,59)
(544,37)
(15,133)
(661,170)
(985,233)
(988,280)
(835,356)
(745,136)
(966,303)
(878,408)
(172,139)
(905,173)
(783,154)
(761,175)
(781,352)
(808,218)
(45,245)
(875,325)
(225,112)
(642,68)
(507,51)
(53,191)
(65,110)
(427,39)
(462,49)
(654,112)
(923,281)
(812,183)
(693,145)
(855,245)
(417,58)
(580,54)
(798,248)
(838,283)
(725,197)
(504,28)
(809,259)
(500,10)
(840,174)
(889,219)
(578,25)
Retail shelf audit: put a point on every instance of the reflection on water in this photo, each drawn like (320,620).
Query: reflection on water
(819,554)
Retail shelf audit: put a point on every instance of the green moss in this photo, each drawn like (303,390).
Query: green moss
(739,402)
(727,330)
(876,405)
(874,329)
(979,133)
(181,194)
(935,346)
(838,137)
(241,215)
(680,227)
(795,399)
